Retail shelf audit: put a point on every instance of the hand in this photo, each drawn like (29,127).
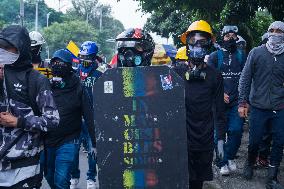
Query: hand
(94,152)
(226,98)
(243,111)
(8,120)
(206,58)
(220,149)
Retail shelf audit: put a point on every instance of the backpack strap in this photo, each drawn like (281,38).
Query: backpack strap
(240,57)
(220,57)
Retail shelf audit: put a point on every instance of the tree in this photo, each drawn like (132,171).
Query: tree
(173,17)
(91,12)
(58,35)
(10,13)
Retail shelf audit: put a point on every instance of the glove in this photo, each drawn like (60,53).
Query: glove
(220,148)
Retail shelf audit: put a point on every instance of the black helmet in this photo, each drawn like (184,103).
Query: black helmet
(135,48)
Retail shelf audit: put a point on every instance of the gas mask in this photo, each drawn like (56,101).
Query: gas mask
(60,69)
(195,73)
(35,51)
(230,45)
(197,48)
(7,57)
(130,58)
(131,53)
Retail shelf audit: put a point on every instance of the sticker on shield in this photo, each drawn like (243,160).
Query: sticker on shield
(166,81)
(108,87)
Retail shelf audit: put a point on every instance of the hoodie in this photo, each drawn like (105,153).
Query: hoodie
(73,103)
(29,99)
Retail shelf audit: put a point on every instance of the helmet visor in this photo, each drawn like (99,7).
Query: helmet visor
(131,44)
(230,29)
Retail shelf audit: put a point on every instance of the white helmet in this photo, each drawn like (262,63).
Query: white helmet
(36,38)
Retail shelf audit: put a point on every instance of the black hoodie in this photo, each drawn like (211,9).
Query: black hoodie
(30,100)
(73,103)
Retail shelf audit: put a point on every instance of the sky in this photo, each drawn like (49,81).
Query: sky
(125,11)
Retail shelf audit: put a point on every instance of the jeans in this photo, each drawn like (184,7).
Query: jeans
(259,120)
(92,172)
(264,148)
(58,162)
(234,131)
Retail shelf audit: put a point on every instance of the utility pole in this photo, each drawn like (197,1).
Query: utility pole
(36,16)
(47,18)
(101,19)
(22,12)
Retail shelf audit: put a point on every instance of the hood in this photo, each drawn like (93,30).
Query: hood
(19,37)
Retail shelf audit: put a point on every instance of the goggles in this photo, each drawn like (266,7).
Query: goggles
(230,29)
(131,44)
(198,39)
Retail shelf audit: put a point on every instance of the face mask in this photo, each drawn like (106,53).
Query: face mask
(275,43)
(60,69)
(36,58)
(57,82)
(7,57)
(230,45)
(197,54)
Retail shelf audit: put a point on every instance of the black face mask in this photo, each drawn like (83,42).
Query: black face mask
(230,45)
(130,58)
(60,69)
(36,58)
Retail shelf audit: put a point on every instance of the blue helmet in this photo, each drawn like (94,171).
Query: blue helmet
(88,48)
(64,55)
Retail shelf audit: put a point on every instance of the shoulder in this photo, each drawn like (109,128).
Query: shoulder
(38,78)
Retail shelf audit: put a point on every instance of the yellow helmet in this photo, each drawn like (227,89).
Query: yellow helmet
(200,25)
(181,54)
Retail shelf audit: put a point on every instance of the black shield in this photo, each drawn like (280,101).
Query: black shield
(141,129)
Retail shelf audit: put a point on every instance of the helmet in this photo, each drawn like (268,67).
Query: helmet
(64,55)
(61,64)
(88,48)
(200,25)
(229,29)
(135,48)
(181,54)
(36,38)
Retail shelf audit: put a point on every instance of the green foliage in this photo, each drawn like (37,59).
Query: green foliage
(259,25)
(58,35)
(10,13)
(173,17)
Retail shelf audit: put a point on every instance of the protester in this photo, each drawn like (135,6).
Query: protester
(230,61)
(62,143)
(203,88)
(89,71)
(27,110)
(181,58)
(261,86)
(37,41)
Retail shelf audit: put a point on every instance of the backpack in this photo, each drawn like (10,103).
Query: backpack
(220,57)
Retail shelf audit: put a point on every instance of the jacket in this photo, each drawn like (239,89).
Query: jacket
(231,67)
(73,103)
(200,98)
(262,80)
(30,99)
